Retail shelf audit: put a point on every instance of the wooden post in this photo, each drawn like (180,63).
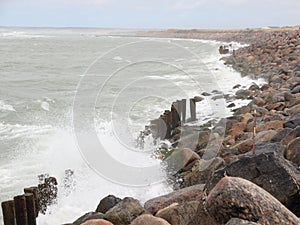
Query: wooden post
(174,112)
(193,109)
(168,122)
(31,211)
(20,210)
(179,110)
(8,211)
(34,191)
(183,110)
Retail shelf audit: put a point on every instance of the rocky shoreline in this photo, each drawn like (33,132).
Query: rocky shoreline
(254,177)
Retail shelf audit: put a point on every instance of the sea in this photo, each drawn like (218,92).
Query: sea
(75,99)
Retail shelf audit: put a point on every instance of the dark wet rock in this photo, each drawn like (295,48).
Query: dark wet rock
(88,216)
(231,105)
(290,136)
(293,122)
(253,87)
(198,98)
(238,221)
(107,203)
(281,134)
(268,170)
(242,110)
(292,152)
(206,94)
(179,214)
(242,94)
(236,86)
(217,92)
(124,212)
(182,195)
(237,197)
(147,219)
(296,90)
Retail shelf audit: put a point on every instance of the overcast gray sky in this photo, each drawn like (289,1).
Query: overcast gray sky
(150,13)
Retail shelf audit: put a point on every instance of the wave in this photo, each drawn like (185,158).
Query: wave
(6,107)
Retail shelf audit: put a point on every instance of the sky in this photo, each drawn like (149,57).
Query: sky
(202,14)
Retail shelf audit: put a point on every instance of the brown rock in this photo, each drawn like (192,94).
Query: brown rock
(181,158)
(180,214)
(236,197)
(97,222)
(246,118)
(238,129)
(265,136)
(201,171)
(148,219)
(244,146)
(271,125)
(292,152)
(124,212)
(88,216)
(186,194)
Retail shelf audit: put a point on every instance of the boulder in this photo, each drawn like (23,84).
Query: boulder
(265,136)
(201,171)
(97,222)
(238,221)
(237,197)
(181,158)
(107,203)
(238,129)
(268,170)
(179,214)
(124,212)
(186,194)
(291,135)
(147,219)
(246,118)
(88,216)
(292,152)
(242,94)
(293,122)
(281,134)
(271,125)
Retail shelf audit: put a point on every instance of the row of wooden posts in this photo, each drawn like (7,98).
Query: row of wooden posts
(23,209)
(163,126)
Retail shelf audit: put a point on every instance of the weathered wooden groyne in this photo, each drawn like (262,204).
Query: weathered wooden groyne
(162,127)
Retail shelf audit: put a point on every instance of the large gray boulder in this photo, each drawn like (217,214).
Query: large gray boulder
(124,212)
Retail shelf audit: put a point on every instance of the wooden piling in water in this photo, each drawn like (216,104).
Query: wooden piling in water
(34,191)
(183,110)
(8,212)
(20,210)
(193,109)
(175,115)
(30,207)
(168,122)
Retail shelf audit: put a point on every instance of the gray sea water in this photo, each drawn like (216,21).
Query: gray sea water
(55,83)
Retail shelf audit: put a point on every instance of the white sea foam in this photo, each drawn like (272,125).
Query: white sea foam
(6,107)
